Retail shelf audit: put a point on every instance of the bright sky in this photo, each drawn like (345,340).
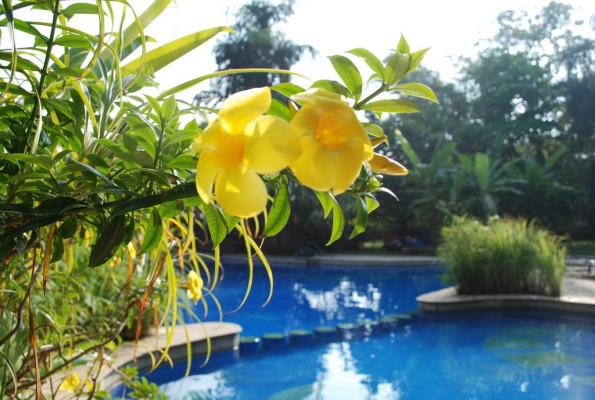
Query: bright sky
(451,28)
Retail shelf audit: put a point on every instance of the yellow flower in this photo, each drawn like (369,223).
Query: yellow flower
(238,146)
(71,382)
(334,142)
(384,165)
(195,283)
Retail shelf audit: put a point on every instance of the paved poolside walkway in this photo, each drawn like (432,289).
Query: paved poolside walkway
(578,296)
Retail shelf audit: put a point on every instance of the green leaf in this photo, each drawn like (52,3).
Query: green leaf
(154,105)
(108,242)
(22,63)
(393,105)
(68,228)
(361,220)
(371,202)
(396,68)
(349,74)
(95,172)
(111,146)
(417,90)
(183,162)
(374,130)
(162,56)
(332,86)
(231,221)
(74,41)
(482,171)
(279,213)
(288,89)
(169,108)
(138,203)
(416,59)
(216,223)
(25,27)
(57,248)
(79,8)
(278,109)
(153,233)
(72,72)
(171,209)
(329,203)
(403,46)
(373,62)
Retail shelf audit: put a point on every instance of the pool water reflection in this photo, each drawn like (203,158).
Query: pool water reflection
(304,298)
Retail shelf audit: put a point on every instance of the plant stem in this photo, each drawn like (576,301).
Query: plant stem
(381,89)
(43,73)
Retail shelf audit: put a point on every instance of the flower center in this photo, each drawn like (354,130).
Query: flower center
(231,150)
(330,132)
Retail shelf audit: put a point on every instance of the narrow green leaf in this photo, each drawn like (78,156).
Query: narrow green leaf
(361,220)
(373,129)
(108,242)
(182,162)
(216,223)
(97,173)
(288,89)
(373,62)
(371,202)
(231,221)
(329,203)
(72,72)
(403,46)
(332,86)
(396,68)
(79,8)
(171,209)
(416,59)
(338,221)
(349,74)
(394,106)
(162,56)
(57,248)
(138,203)
(279,213)
(74,41)
(278,109)
(417,90)
(153,233)
(325,201)
(169,108)
(68,228)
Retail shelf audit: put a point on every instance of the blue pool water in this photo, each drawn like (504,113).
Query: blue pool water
(304,298)
(476,355)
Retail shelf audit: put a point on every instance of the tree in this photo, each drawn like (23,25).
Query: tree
(255,44)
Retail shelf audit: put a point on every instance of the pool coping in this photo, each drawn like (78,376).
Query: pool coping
(448,300)
(224,336)
(341,260)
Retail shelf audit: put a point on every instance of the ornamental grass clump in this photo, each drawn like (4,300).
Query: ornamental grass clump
(506,256)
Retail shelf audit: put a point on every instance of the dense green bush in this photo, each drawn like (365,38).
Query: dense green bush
(504,256)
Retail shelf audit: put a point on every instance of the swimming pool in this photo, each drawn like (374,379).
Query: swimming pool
(307,297)
(473,355)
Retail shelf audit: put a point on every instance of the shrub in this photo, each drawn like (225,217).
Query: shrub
(504,256)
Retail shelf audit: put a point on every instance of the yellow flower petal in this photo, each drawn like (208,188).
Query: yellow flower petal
(271,145)
(384,165)
(195,284)
(241,192)
(316,167)
(207,140)
(320,98)
(207,170)
(242,107)
(70,383)
(347,170)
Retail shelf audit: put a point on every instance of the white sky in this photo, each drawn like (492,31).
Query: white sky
(451,28)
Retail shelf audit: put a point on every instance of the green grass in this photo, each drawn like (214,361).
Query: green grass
(504,256)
